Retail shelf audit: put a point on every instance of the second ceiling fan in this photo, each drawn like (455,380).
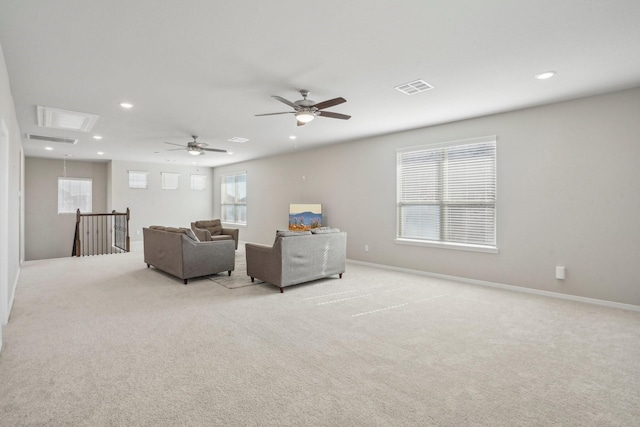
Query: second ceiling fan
(195,148)
(306,110)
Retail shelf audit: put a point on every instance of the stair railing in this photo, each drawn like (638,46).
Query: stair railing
(101,233)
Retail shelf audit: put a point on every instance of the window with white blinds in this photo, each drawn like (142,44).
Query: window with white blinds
(198,182)
(233,201)
(74,194)
(138,179)
(170,180)
(447,194)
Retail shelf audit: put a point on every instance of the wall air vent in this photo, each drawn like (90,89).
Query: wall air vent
(51,139)
(55,118)
(414,87)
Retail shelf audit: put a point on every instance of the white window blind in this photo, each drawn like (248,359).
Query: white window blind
(233,203)
(74,194)
(447,193)
(170,180)
(198,182)
(138,179)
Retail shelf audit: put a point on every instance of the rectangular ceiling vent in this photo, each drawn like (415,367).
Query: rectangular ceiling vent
(414,87)
(51,139)
(55,118)
(238,139)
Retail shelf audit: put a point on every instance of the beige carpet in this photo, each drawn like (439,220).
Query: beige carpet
(238,278)
(104,341)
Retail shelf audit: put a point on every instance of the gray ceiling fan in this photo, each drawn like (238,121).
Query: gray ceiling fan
(195,148)
(306,109)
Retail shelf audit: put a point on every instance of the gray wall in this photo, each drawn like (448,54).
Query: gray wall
(155,206)
(48,234)
(568,180)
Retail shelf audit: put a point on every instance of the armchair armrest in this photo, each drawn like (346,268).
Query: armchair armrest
(202,234)
(233,232)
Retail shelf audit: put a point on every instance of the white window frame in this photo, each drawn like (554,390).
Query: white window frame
(198,182)
(465,215)
(138,180)
(236,203)
(170,180)
(69,205)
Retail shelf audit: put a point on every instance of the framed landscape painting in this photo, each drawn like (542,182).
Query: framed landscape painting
(305,216)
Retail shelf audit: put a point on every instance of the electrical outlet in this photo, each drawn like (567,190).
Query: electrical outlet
(137,231)
(560,272)
(366,248)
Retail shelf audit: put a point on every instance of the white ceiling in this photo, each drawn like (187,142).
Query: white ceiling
(208,67)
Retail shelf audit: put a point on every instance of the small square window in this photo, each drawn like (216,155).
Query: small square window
(138,179)
(170,180)
(198,182)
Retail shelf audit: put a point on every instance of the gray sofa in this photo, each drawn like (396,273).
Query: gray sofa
(298,257)
(212,229)
(176,251)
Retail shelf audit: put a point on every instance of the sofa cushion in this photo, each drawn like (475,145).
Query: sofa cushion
(164,228)
(190,234)
(214,226)
(324,230)
(290,233)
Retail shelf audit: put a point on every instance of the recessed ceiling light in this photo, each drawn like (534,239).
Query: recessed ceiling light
(229,152)
(48,148)
(97,137)
(292,137)
(126,105)
(546,75)
(100,153)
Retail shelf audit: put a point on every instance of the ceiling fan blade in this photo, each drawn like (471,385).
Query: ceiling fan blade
(286,101)
(217,150)
(179,145)
(333,115)
(329,103)
(176,149)
(273,114)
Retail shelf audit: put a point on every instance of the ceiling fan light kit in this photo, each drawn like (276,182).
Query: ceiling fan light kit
(305,116)
(306,110)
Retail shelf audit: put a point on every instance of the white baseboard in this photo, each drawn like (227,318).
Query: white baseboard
(559,295)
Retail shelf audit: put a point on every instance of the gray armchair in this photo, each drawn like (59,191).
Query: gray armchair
(208,230)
